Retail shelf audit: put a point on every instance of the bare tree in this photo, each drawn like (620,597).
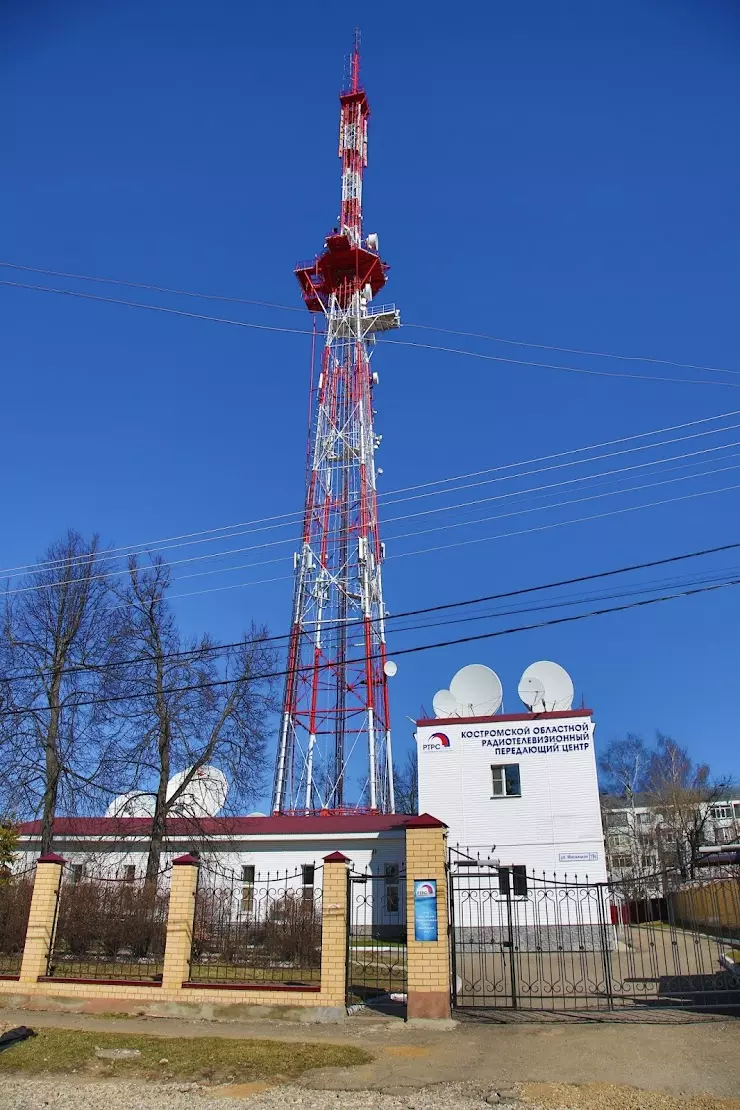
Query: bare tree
(623,766)
(59,634)
(189,704)
(683,792)
(406,783)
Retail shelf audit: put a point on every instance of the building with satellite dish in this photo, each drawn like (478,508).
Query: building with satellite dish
(519,789)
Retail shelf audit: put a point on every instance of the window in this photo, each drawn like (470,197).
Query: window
(392,900)
(644,818)
(621,862)
(308,872)
(128,873)
(506,781)
(75,873)
(736,808)
(725,835)
(721,813)
(513,880)
(617,819)
(247,887)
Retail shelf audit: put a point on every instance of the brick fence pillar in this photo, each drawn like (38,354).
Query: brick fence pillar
(334,930)
(41,918)
(180,918)
(428,960)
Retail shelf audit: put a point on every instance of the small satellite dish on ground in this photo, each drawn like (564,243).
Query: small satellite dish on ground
(205,794)
(133,804)
(444,704)
(477,690)
(546,687)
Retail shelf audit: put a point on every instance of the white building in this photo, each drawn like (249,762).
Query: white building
(520,789)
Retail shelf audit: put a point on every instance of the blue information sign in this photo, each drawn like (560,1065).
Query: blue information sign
(425,909)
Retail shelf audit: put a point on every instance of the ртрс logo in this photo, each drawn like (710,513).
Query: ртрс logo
(436,742)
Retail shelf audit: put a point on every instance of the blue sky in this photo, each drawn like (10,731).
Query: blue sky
(564,174)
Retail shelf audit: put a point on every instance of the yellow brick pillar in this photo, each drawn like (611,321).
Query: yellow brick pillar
(180,918)
(428,960)
(41,918)
(334,930)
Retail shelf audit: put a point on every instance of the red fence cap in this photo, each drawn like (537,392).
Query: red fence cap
(336,857)
(425,821)
(186,860)
(52,857)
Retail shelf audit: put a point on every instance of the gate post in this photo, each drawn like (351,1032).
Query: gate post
(428,960)
(180,918)
(334,927)
(41,918)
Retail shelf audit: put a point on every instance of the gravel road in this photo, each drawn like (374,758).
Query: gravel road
(65,1093)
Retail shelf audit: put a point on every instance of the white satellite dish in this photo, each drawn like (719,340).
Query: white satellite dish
(557,687)
(390,668)
(478,690)
(532,692)
(205,794)
(256,813)
(133,804)
(444,704)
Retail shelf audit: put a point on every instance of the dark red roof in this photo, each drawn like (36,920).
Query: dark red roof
(314,825)
(505,717)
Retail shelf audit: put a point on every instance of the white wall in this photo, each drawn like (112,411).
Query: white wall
(555,826)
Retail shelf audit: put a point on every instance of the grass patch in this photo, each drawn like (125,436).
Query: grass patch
(211,1059)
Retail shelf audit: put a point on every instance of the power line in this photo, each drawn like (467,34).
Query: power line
(391,342)
(520,592)
(105,575)
(558,366)
(575,350)
(643,602)
(142,546)
(424,327)
(154,308)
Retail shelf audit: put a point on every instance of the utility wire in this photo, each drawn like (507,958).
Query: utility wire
(144,546)
(423,327)
(537,491)
(79,704)
(520,592)
(391,342)
(558,366)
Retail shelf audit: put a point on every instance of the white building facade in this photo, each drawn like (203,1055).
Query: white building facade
(518,789)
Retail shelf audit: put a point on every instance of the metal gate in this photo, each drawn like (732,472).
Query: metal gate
(376,938)
(520,941)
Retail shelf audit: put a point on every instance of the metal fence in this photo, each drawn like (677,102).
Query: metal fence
(16,890)
(376,941)
(252,929)
(521,941)
(110,928)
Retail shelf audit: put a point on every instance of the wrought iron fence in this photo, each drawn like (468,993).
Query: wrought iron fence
(528,942)
(110,928)
(376,942)
(16,889)
(252,929)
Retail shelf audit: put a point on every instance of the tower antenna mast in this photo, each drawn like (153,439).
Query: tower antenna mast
(334,749)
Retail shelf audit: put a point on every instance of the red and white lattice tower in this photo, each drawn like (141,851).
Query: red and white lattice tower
(334,749)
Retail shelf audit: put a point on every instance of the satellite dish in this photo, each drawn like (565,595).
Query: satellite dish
(256,813)
(532,692)
(557,687)
(390,668)
(444,704)
(478,690)
(133,804)
(205,794)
